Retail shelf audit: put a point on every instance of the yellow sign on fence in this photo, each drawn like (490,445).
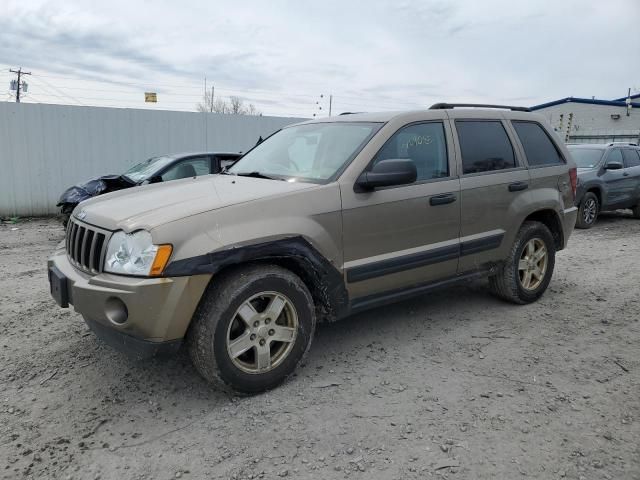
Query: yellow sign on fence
(150,97)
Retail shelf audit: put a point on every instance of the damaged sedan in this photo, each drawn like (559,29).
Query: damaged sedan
(153,170)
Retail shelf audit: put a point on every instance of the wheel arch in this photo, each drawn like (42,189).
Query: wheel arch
(597,191)
(324,281)
(551,220)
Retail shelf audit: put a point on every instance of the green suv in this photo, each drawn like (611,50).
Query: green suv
(321,220)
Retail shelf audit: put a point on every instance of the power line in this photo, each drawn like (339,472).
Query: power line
(39,77)
(291,103)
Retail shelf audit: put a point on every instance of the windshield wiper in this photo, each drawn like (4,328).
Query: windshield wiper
(255,175)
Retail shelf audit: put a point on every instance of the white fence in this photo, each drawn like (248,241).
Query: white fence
(46,148)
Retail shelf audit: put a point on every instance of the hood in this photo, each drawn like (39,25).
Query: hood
(149,206)
(91,188)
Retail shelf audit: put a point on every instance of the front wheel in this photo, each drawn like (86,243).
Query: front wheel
(252,328)
(527,271)
(588,211)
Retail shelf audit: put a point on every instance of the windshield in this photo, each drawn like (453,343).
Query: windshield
(586,157)
(145,170)
(316,152)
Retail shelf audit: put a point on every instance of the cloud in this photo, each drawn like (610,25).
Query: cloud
(371,55)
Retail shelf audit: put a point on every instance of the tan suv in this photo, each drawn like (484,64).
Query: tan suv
(323,219)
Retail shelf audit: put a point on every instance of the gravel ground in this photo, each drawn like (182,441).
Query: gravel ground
(456,385)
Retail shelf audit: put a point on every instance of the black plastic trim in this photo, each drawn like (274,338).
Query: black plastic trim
(137,348)
(323,274)
(518,186)
(59,287)
(448,106)
(405,262)
(376,300)
(421,259)
(443,199)
(480,245)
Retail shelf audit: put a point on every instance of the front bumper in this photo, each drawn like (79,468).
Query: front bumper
(142,316)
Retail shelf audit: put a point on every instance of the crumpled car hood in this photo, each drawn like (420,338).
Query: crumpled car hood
(96,186)
(149,206)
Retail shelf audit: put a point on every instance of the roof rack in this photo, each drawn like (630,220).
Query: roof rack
(446,106)
(623,143)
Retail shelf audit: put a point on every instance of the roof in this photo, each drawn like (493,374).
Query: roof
(378,117)
(618,102)
(622,99)
(413,115)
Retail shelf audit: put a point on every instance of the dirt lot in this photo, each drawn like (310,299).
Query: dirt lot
(456,385)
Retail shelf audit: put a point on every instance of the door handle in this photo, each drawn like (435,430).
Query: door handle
(442,199)
(518,186)
(625,174)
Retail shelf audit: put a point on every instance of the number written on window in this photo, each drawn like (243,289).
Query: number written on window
(424,144)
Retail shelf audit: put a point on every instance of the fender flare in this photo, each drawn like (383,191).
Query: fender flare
(323,278)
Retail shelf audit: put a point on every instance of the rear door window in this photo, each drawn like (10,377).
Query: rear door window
(631,158)
(485,146)
(537,145)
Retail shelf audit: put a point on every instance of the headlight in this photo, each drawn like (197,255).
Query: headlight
(135,254)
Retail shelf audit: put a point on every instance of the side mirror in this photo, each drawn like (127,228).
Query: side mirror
(613,165)
(155,179)
(387,173)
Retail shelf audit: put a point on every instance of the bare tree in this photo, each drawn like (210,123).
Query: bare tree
(235,105)
(207,102)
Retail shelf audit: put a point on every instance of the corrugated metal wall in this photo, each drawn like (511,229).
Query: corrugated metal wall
(46,148)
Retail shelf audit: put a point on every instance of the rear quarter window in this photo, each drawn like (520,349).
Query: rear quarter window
(538,147)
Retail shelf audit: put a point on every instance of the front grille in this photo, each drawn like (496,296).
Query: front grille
(86,246)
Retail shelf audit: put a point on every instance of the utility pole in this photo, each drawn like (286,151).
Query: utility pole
(330,102)
(212,92)
(19,84)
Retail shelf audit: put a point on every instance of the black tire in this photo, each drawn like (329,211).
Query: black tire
(507,283)
(636,211)
(207,335)
(586,215)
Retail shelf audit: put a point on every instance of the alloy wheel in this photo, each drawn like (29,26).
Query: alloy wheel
(589,211)
(532,266)
(262,332)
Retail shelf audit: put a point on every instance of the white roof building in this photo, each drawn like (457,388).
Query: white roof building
(583,120)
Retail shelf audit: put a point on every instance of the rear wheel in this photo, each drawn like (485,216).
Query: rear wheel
(636,211)
(529,267)
(588,211)
(252,328)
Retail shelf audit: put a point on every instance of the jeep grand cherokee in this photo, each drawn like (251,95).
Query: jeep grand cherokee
(323,219)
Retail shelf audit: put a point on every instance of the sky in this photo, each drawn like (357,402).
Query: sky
(289,57)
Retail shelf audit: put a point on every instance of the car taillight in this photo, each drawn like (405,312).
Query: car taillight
(573,175)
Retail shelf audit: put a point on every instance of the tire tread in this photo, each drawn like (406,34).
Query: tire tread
(216,299)
(504,283)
